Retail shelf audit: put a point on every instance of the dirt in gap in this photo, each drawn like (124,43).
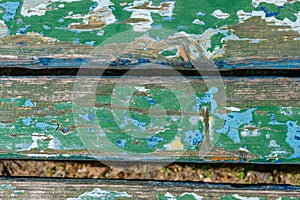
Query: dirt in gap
(217,173)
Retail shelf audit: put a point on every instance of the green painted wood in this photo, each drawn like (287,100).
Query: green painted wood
(37,188)
(236,35)
(160,119)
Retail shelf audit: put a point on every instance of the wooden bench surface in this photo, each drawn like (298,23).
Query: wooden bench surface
(217,85)
(149,81)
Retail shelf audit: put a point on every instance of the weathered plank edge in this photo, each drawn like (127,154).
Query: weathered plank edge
(49,188)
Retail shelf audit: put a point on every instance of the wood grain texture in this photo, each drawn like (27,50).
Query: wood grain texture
(38,188)
(151,119)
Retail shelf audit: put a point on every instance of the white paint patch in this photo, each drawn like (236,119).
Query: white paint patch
(100,33)
(108,17)
(243,149)
(170,196)
(276,154)
(199,22)
(40,155)
(273,144)
(245,198)
(38,7)
(141,89)
(145,14)
(101,13)
(196,196)
(123,3)
(220,14)
(97,193)
(233,109)
(249,133)
(205,42)
(53,142)
(145,24)
(174,118)
(3,29)
(256,3)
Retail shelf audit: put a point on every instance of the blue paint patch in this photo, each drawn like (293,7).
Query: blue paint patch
(29,103)
(23,29)
(19,21)
(91,43)
(142,61)
(121,143)
(93,6)
(47,28)
(168,18)
(22,146)
(125,122)
(65,130)
(45,61)
(88,117)
(120,62)
(135,122)
(201,14)
(273,121)
(97,193)
(233,121)
(151,101)
(140,125)
(42,125)
(11,8)
(208,98)
(182,27)
(293,138)
(268,13)
(153,141)
(76,41)
(27,121)
(156,26)
(53,62)
(193,138)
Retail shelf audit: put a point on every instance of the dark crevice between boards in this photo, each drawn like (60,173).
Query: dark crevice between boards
(242,173)
(20,71)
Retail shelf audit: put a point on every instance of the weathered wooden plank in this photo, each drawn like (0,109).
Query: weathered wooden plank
(151,119)
(241,34)
(38,188)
